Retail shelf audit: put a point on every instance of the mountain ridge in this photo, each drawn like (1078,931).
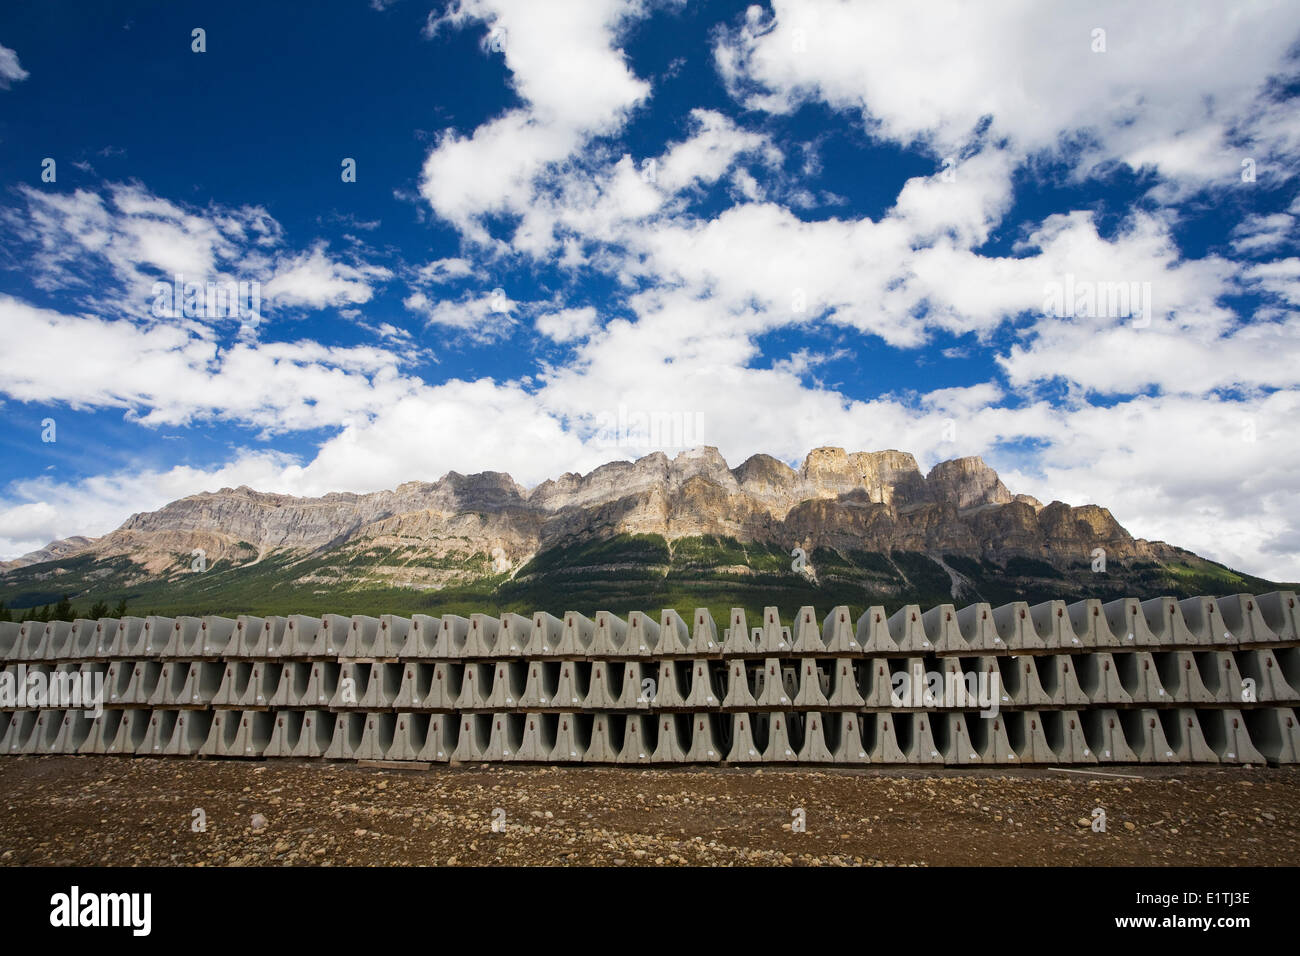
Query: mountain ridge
(690,517)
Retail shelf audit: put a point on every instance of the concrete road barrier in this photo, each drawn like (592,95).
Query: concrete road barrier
(737,638)
(573,686)
(1275,731)
(807,635)
(1128,625)
(1052,621)
(610,635)
(1066,737)
(578,635)
(317,734)
(1028,737)
(189,733)
(873,633)
(1245,621)
(814,748)
(572,737)
(838,632)
(1158,680)
(1105,734)
(1280,614)
(1016,628)
(1271,685)
(422,638)
(641,738)
(1226,735)
(1146,735)
(602,745)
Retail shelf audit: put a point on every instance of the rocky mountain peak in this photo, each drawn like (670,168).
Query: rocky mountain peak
(865,501)
(967,483)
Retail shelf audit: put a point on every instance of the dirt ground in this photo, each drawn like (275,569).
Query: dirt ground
(121,811)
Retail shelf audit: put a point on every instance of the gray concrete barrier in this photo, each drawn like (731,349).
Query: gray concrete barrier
(440,738)
(602,744)
(640,739)
(838,632)
(572,687)
(1280,614)
(317,733)
(1052,621)
(978,630)
(609,636)
(737,639)
(807,635)
(1128,625)
(572,738)
(1226,735)
(873,633)
(1244,620)
(546,634)
(1105,733)
(1115,682)
(1016,628)
(577,635)
(1275,732)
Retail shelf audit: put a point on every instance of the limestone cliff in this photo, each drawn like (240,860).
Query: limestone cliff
(867,501)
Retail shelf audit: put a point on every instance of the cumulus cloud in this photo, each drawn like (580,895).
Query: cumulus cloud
(34,512)
(567,324)
(11,70)
(1041,76)
(167,374)
(574,83)
(314,280)
(111,249)
(480,317)
(1262,233)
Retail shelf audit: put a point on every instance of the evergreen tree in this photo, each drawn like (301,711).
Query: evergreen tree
(62,610)
(43,616)
(97,610)
(120,610)
(4,613)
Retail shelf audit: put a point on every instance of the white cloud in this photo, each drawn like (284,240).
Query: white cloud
(11,70)
(574,83)
(111,249)
(483,317)
(1261,233)
(1189,100)
(169,374)
(567,325)
(446,270)
(1280,278)
(34,512)
(1213,475)
(314,280)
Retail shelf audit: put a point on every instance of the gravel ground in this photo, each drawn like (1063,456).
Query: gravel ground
(105,810)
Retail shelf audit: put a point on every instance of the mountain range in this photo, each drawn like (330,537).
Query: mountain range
(858,528)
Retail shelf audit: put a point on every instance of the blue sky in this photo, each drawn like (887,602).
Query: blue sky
(763,227)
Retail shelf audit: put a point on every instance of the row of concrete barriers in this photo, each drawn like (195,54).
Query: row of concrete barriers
(1052,627)
(1115,678)
(1180,735)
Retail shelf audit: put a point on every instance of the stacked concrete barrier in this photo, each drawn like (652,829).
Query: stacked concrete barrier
(1201,680)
